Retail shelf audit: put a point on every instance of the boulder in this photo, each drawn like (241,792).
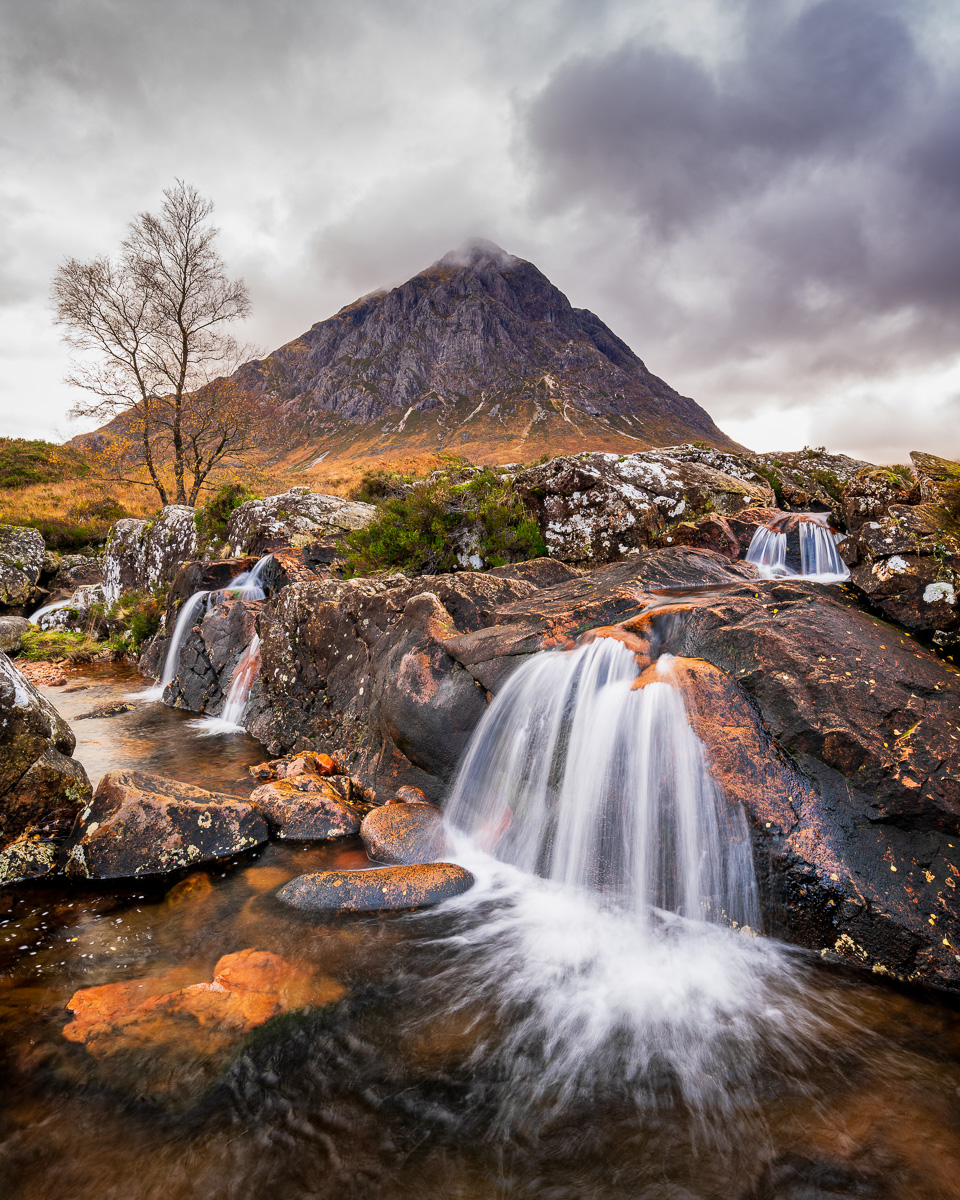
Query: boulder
(22,553)
(596,507)
(31,856)
(210,653)
(72,571)
(404,833)
(143,824)
(308,808)
(869,494)
(37,773)
(377,890)
(261,525)
(144,555)
(76,614)
(729,536)
(12,630)
(809,479)
(159,1013)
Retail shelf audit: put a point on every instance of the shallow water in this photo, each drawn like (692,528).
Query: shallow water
(521,1041)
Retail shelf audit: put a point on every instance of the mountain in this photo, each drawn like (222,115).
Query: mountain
(478,355)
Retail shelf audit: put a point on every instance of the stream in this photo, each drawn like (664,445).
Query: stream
(526,1040)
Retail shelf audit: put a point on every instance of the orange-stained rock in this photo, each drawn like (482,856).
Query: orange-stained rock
(247,989)
(191,888)
(265,879)
(306,807)
(404,833)
(377,890)
(411,795)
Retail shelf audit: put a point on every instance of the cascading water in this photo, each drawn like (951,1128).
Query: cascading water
(578,776)
(185,622)
(819,558)
(36,617)
(248,585)
(241,684)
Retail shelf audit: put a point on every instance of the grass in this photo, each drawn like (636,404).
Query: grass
(27,461)
(39,645)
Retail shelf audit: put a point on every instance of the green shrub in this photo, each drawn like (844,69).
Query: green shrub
(211,520)
(133,620)
(425,530)
(41,644)
(25,461)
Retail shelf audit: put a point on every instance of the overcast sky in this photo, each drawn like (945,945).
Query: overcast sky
(761,197)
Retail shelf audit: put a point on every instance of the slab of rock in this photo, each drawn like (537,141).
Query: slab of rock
(261,525)
(307,808)
(31,856)
(143,824)
(404,833)
(248,988)
(377,890)
(726,535)
(596,507)
(37,773)
(142,555)
(12,630)
(22,552)
(869,494)
(113,708)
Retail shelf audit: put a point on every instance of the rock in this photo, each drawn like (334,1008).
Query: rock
(809,479)
(143,555)
(210,653)
(143,824)
(74,571)
(303,764)
(36,771)
(12,630)
(31,856)
(22,553)
(376,890)
(542,572)
(411,795)
(248,988)
(42,674)
(261,525)
(76,614)
(111,709)
(404,833)
(729,536)
(309,809)
(596,507)
(869,494)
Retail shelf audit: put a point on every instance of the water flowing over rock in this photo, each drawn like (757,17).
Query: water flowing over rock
(142,555)
(806,540)
(37,774)
(22,553)
(143,824)
(258,526)
(596,507)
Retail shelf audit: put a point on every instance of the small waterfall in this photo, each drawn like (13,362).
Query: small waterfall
(819,558)
(241,684)
(249,584)
(576,775)
(35,618)
(185,622)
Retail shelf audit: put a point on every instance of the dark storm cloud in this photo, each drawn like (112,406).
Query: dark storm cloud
(816,171)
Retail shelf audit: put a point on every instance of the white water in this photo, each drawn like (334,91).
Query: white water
(819,559)
(231,716)
(185,622)
(248,585)
(576,776)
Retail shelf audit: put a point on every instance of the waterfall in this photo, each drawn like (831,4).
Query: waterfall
(241,684)
(35,618)
(818,554)
(249,584)
(576,775)
(185,622)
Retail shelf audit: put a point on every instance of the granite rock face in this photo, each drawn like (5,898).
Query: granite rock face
(596,507)
(22,553)
(143,555)
(261,525)
(37,774)
(142,824)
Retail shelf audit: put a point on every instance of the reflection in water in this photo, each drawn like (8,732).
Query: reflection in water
(519,1042)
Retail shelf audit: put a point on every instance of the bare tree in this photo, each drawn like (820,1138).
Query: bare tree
(150,331)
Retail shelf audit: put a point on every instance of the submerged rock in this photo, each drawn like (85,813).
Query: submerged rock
(404,833)
(37,773)
(261,525)
(308,808)
(376,890)
(22,553)
(142,824)
(248,988)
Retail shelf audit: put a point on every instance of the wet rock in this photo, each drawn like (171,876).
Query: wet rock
(304,764)
(210,653)
(309,809)
(37,773)
(377,890)
(404,833)
(112,708)
(143,824)
(22,553)
(12,630)
(261,525)
(542,572)
(729,536)
(248,988)
(42,674)
(596,507)
(411,795)
(142,555)
(31,856)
